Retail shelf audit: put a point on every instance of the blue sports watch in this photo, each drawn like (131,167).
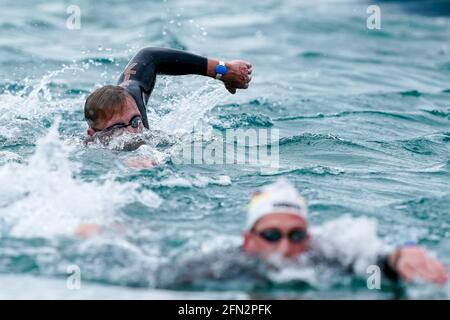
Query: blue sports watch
(221,69)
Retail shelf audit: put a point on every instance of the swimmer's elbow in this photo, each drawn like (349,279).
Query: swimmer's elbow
(150,52)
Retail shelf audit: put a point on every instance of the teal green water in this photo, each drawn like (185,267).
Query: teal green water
(364,120)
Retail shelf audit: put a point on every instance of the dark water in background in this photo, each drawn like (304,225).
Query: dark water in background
(363,118)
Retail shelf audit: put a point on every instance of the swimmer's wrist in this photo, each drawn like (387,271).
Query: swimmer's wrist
(394,257)
(211,70)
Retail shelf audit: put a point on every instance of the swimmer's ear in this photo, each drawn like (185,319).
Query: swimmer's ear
(90,132)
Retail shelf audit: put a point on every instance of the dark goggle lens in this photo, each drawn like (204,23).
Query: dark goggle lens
(135,122)
(271,235)
(274,235)
(297,235)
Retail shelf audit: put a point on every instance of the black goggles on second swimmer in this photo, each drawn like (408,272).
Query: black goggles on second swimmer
(135,122)
(274,235)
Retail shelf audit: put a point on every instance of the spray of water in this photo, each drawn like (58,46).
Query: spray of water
(351,242)
(186,112)
(43,198)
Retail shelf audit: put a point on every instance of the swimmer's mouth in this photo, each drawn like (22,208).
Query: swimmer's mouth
(130,143)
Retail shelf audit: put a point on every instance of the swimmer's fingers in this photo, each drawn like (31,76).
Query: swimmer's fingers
(246,78)
(87,230)
(243,84)
(424,270)
(434,271)
(238,75)
(230,89)
(407,272)
(414,262)
(246,71)
(139,163)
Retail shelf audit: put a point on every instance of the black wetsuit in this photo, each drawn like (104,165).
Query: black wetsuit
(231,266)
(140,74)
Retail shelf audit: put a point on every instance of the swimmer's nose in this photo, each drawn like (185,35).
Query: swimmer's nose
(284,247)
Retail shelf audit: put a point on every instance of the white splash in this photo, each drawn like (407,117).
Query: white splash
(351,241)
(36,99)
(198,181)
(8,156)
(26,108)
(42,197)
(187,111)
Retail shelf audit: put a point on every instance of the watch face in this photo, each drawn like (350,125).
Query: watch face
(221,69)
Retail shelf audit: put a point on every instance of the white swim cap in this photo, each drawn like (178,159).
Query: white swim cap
(279,197)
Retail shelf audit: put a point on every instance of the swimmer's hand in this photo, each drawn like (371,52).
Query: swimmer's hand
(138,162)
(414,262)
(87,230)
(90,230)
(238,74)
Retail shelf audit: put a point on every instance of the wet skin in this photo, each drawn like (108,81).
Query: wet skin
(254,244)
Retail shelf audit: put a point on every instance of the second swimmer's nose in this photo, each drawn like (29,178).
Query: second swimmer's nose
(284,247)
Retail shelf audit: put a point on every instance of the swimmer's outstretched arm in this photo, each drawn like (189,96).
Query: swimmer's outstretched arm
(149,62)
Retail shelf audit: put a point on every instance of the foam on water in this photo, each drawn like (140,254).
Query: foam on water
(36,98)
(7,156)
(187,112)
(196,181)
(43,198)
(352,242)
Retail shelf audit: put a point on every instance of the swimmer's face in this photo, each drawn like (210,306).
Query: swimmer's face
(120,117)
(262,239)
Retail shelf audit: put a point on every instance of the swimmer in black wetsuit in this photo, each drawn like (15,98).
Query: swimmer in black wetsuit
(119,108)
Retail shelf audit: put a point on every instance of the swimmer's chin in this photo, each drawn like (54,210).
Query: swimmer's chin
(123,142)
